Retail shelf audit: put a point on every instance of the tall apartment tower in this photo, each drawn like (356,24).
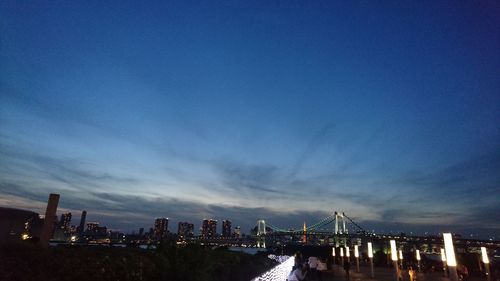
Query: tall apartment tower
(65,222)
(226,228)
(50,215)
(209,228)
(161,227)
(81,228)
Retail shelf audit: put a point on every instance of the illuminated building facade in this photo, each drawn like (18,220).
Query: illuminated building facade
(209,228)
(237,232)
(226,228)
(65,222)
(185,229)
(161,227)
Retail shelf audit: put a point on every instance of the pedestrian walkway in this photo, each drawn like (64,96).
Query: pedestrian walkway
(382,274)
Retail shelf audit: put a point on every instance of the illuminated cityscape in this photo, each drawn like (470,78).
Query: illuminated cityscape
(250,140)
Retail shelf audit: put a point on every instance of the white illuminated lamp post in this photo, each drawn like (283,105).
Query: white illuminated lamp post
(394,258)
(450,256)
(347,254)
(342,256)
(443,259)
(417,253)
(370,256)
(333,254)
(356,254)
(486,262)
(400,258)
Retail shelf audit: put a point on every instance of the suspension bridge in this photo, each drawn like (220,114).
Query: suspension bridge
(342,225)
(336,227)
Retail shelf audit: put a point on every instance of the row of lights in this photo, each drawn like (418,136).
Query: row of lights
(447,255)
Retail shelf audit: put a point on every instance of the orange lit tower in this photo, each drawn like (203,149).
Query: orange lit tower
(304,239)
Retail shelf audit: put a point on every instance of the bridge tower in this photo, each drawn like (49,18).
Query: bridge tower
(340,223)
(261,233)
(261,227)
(340,229)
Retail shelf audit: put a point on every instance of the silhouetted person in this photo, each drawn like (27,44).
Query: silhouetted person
(297,274)
(347,267)
(313,264)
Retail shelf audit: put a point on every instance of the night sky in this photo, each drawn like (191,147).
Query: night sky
(285,111)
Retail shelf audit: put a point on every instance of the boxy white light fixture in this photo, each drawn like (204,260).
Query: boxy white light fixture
(450,251)
(443,255)
(370,250)
(394,252)
(484,254)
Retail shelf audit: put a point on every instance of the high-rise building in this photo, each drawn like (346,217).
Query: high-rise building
(48,225)
(226,228)
(81,228)
(185,229)
(92,227)
(141,231)
(161,227)
(209,228)
(65,222)
(237,231)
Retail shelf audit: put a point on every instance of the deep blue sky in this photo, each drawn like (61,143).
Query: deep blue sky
(286,111)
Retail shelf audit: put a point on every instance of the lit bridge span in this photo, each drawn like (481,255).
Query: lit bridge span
(342,225)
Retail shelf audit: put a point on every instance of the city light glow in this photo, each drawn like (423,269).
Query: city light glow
(484,255)
(394,253)
(370,250)
(450,251)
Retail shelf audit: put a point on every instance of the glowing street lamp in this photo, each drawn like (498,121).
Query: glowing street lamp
(394,252)
(417,253)
(347,254)
(443,259)
(370,256)
(486,262)
(450,256)
(356,254)
(342,256)
(401,257)
(484,255)
(394,258)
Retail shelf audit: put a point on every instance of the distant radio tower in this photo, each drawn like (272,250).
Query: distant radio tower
(304,239)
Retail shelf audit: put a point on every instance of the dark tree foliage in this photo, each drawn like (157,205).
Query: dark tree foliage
(168,262)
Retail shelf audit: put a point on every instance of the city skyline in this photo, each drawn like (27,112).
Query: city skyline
(243,111)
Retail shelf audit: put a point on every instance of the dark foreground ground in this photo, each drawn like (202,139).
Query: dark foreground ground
(193,262)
